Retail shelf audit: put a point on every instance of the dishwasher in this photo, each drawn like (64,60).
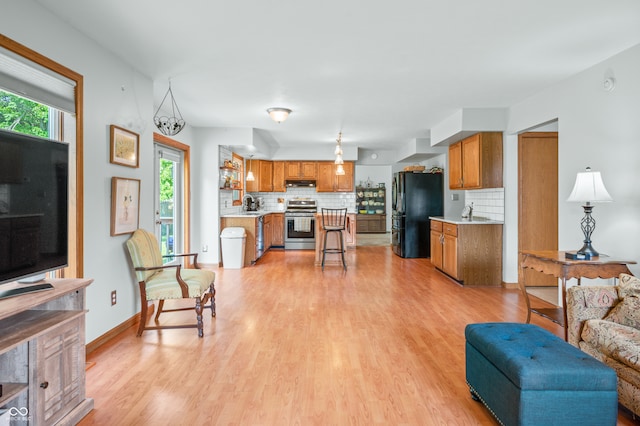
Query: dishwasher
(260,238)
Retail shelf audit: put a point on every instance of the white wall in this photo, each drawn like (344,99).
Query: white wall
(104,74)
(596,128)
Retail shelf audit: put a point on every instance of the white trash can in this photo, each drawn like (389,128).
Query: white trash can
(233,244)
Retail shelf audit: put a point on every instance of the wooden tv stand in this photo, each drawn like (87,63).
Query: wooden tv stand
(42,354)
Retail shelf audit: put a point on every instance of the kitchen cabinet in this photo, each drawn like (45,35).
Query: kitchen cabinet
(263,174)
(42,354)
(436,242)
(371,223)
(278,177)
(476,162)
(328,181)
(267,231)
(468,252)
(277,229)
(272,233)
(250,225)
(300,170)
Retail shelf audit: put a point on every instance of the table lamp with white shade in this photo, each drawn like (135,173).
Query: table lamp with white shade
(588,189)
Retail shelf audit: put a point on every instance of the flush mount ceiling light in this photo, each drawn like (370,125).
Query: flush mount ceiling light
(169,126)
(279,114)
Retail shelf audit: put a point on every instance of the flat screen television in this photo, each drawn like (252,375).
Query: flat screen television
(34,205)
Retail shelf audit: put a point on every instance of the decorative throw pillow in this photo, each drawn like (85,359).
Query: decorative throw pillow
(626,312)
(628,285)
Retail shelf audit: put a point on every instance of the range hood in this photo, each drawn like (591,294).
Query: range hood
(300,183)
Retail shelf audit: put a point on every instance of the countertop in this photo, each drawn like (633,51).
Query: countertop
(251,214)
(264,213)
(461,221)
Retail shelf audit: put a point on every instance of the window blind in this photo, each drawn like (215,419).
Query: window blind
(33,81)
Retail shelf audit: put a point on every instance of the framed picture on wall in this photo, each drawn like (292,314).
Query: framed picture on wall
(124,147)
(125,205)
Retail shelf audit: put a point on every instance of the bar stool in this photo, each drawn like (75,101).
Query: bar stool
(334,220)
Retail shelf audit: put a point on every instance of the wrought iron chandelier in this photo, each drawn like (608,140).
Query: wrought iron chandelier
(169,126)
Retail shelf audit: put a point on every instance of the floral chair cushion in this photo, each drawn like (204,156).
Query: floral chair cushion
(614,340)
(628,285)
(626,312)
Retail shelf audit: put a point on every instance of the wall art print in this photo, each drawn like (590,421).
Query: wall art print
(124,147)
(125,205)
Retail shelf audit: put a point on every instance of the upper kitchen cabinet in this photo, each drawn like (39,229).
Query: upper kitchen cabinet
(300,170)
(263,174)
(476,162)
(328,181)
(278,177)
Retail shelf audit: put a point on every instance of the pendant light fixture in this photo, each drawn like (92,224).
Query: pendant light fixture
(338,152)
(169,126)
(250,177)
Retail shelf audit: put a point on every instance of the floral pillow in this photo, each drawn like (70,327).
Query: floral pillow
(628,285)
(626,312)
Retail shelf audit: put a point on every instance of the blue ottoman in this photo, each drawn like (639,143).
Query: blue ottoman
(528,376)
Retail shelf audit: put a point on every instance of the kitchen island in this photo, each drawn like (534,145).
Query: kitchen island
(332,240)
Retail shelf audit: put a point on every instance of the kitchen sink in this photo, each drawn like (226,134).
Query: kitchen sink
(252,213)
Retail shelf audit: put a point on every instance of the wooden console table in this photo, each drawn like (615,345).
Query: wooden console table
(554,263)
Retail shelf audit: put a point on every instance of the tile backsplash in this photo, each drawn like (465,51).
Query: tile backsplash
(324,199)
(487,203)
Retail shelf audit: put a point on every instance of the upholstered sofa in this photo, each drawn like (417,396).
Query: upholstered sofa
(604,321)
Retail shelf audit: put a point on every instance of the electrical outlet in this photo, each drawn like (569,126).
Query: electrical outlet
(205,248)
(113,298)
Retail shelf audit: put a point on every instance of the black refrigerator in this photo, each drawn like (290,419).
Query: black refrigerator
(414,197)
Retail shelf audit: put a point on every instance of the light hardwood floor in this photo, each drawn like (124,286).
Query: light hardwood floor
(382,343)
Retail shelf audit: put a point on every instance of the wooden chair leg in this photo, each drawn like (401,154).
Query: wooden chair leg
(143,317)
(199,317)
(344,262)
(212,291)
(160,307)
(324,248)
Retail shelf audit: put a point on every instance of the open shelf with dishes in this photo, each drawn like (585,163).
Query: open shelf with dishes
(371,205)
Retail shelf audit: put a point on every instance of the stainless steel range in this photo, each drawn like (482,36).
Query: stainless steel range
(300,224)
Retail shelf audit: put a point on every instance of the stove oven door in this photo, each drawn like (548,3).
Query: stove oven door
(300,232)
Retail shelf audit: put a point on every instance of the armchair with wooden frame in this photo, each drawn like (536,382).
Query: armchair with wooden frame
(161,282)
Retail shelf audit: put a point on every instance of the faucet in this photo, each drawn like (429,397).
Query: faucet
(467,212)
(246,207)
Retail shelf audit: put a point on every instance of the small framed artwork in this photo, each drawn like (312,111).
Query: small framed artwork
(125,205)
(124,147)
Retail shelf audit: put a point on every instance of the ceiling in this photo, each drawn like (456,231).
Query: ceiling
(384,73)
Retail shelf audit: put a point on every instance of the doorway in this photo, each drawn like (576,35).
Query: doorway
(168,200)
(537,199)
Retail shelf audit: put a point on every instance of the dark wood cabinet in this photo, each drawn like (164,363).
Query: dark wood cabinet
(371,224)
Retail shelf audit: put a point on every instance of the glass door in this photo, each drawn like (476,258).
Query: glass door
(168,200)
